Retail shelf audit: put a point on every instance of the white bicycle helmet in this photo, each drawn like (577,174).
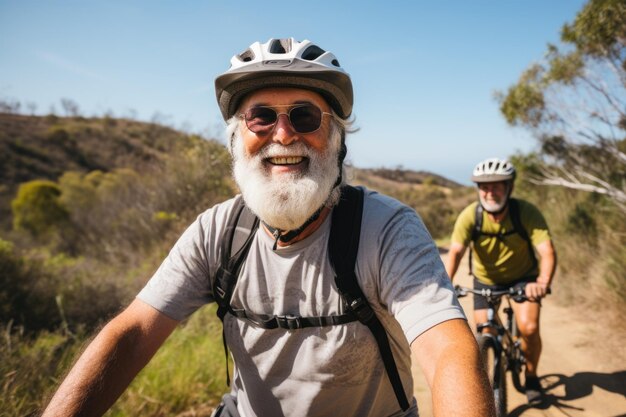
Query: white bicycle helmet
(284,63)
(492,170)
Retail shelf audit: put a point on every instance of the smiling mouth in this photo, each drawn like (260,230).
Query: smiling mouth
(286,160)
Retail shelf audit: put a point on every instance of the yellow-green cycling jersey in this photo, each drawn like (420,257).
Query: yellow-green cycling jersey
(504,258)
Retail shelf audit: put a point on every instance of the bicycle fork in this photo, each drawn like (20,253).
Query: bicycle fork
(513,350)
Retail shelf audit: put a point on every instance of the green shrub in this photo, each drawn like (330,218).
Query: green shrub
(57,134)
(37,207)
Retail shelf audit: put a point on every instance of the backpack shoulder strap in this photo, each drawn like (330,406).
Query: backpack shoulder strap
(343,246)
(236,242)
(476,231)
(478,222)
(518,227)
(516,219)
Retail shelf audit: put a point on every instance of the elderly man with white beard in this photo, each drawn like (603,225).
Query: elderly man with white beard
(308,335)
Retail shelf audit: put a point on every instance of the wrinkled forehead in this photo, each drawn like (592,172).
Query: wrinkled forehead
(282,96)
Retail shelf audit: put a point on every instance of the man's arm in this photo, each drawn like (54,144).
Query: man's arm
(547,266)
(449,357)
(455,254)
(111,361)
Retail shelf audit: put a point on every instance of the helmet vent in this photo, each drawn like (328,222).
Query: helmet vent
(280,46)
(312,53)
(335,63)
(247,55)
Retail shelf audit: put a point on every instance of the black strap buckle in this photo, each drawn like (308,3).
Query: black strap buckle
(289,322)
(362,310)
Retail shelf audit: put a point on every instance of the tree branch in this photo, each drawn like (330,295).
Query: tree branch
(569,180)
(604,93)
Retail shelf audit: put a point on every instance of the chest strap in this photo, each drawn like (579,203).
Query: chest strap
(289,322)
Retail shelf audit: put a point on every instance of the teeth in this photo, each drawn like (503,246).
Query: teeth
(290,160)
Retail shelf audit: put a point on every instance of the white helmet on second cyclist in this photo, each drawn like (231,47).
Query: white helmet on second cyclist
(284,63)
(492,170)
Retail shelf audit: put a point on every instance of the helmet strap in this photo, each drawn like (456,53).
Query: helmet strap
(286,236)
(343,151)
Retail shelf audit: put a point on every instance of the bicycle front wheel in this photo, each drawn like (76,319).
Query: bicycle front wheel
(493,361)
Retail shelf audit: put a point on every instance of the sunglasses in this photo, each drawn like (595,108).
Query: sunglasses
(304,118)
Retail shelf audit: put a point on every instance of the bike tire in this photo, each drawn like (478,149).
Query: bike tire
(516,361)
(493,360)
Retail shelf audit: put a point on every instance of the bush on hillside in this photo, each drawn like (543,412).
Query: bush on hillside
(37,207)
(119,214)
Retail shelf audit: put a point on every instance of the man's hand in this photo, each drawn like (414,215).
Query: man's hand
(536,291)
(547,264)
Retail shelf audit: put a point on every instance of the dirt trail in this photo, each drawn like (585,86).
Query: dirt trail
(582,376)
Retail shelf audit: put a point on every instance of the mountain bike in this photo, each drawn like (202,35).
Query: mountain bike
(500,344)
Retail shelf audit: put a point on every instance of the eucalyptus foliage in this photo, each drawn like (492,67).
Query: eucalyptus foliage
(574,102)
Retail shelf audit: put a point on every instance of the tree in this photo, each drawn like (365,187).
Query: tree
(70,107)
(10,106)
(574,103)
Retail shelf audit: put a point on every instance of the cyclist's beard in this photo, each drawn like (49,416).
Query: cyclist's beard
(494,206)
(286,201)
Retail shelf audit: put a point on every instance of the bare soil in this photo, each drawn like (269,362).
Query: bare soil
(583,372)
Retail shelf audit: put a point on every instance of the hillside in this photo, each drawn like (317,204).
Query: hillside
(402,176)
(33,147)
(44,147)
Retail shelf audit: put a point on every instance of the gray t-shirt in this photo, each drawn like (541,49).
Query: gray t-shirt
(317,371)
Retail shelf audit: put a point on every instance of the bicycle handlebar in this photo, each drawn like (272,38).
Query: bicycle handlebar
(517,293)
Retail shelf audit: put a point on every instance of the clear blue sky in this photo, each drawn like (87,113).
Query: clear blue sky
(424,72)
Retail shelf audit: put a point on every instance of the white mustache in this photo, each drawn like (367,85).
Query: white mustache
(274,150)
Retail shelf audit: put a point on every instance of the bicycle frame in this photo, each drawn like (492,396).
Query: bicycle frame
(506,337)
(508,355)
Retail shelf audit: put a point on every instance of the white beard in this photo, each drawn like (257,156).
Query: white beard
(287,201)
(493,206)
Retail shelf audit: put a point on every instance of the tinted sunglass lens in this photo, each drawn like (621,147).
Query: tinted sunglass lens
(305,119)
(259,119)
